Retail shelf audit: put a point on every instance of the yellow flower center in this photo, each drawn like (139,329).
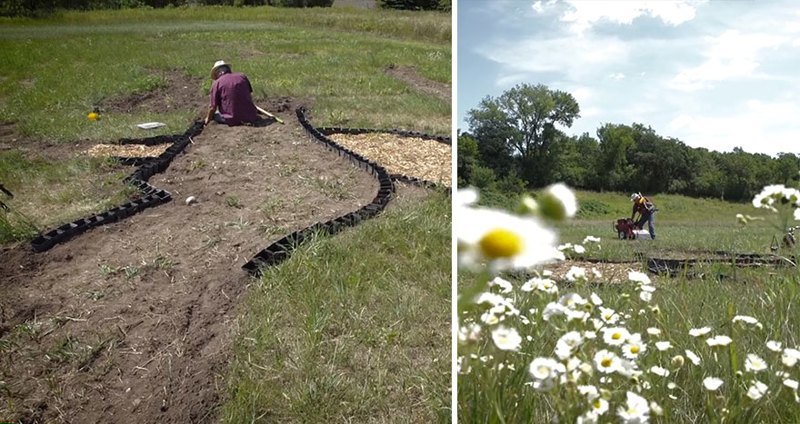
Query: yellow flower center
(500,243)
(635,349)
(606,362)
(616,336)
(597,404)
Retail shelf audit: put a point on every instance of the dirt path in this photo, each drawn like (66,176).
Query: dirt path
(131,322)
(411,77)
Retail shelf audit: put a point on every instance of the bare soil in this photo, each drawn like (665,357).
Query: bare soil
(132,322)
(410,76)
(180,91)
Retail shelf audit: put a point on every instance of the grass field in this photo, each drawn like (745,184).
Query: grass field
(344,330)
(55,71)
(495,385)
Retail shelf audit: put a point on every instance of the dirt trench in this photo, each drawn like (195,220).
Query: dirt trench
(132,322)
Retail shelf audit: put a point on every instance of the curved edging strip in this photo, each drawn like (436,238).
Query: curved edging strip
(282,249)
(150,196)
(673,267)
(403,133)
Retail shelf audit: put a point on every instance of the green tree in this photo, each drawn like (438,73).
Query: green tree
(525,119)
(615,141)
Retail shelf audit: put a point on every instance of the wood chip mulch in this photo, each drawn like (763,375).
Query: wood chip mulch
(126,150)
(410,156)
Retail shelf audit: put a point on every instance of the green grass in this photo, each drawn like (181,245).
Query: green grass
(352,328)
(56,70)
(682,224)
(48,192)
(489,395)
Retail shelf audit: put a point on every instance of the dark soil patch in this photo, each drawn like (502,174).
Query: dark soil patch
(410,76)
(132,322)
(180,92)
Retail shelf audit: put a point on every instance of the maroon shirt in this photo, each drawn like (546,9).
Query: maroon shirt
(230,93)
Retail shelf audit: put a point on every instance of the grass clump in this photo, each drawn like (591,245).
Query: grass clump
(352,328)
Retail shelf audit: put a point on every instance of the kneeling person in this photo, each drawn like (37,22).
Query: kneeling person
(231,98)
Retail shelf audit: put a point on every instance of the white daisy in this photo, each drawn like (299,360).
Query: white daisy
(596,300)
(568,344)
(663,345)
(558,202)
(505,285)
(465,197)
(712,383)
(469,333)
(659,371)
(747,320)
(636,409)
(576,273)
(754,363)
(490,298)
(757,390)
(792,384)
(506,338)
(504,240)
(774,346)
(790,357)
(719,341)
(591,239)
(638,277)
(607,362)
(634,347)
(653,331)
(615,336)
(572,300)
(553,309)
(608,315)
(698,332)
(543,369)
(589,391)
(692,357)
(599,405)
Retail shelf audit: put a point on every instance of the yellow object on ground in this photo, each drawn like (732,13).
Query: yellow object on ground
(93,116)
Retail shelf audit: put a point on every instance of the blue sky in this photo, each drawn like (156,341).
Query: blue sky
(714,74)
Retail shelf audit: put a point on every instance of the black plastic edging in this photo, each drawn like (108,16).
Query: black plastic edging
(403,133)
(149,196)
(282,249)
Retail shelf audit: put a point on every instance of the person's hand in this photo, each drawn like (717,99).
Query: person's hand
(205,122)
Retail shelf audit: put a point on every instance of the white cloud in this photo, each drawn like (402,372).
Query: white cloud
(578,58)
(584,14)
(729,56)
(617,76)
(757,126)
(509,80)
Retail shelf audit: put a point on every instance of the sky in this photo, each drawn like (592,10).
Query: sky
(714,74)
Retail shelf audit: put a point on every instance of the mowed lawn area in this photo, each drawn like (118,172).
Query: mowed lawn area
(707,324)
(352,328)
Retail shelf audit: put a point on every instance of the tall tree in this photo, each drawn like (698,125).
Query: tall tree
(525,118)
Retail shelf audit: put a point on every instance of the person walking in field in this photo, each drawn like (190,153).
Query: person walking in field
(646,210)
(231,97)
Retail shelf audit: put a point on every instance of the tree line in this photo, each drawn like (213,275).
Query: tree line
(38,8)
(512,144)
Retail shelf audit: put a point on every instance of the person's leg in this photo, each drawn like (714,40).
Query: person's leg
(651,225)
(219,118)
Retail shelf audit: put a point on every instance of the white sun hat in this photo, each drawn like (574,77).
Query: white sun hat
(217,64)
